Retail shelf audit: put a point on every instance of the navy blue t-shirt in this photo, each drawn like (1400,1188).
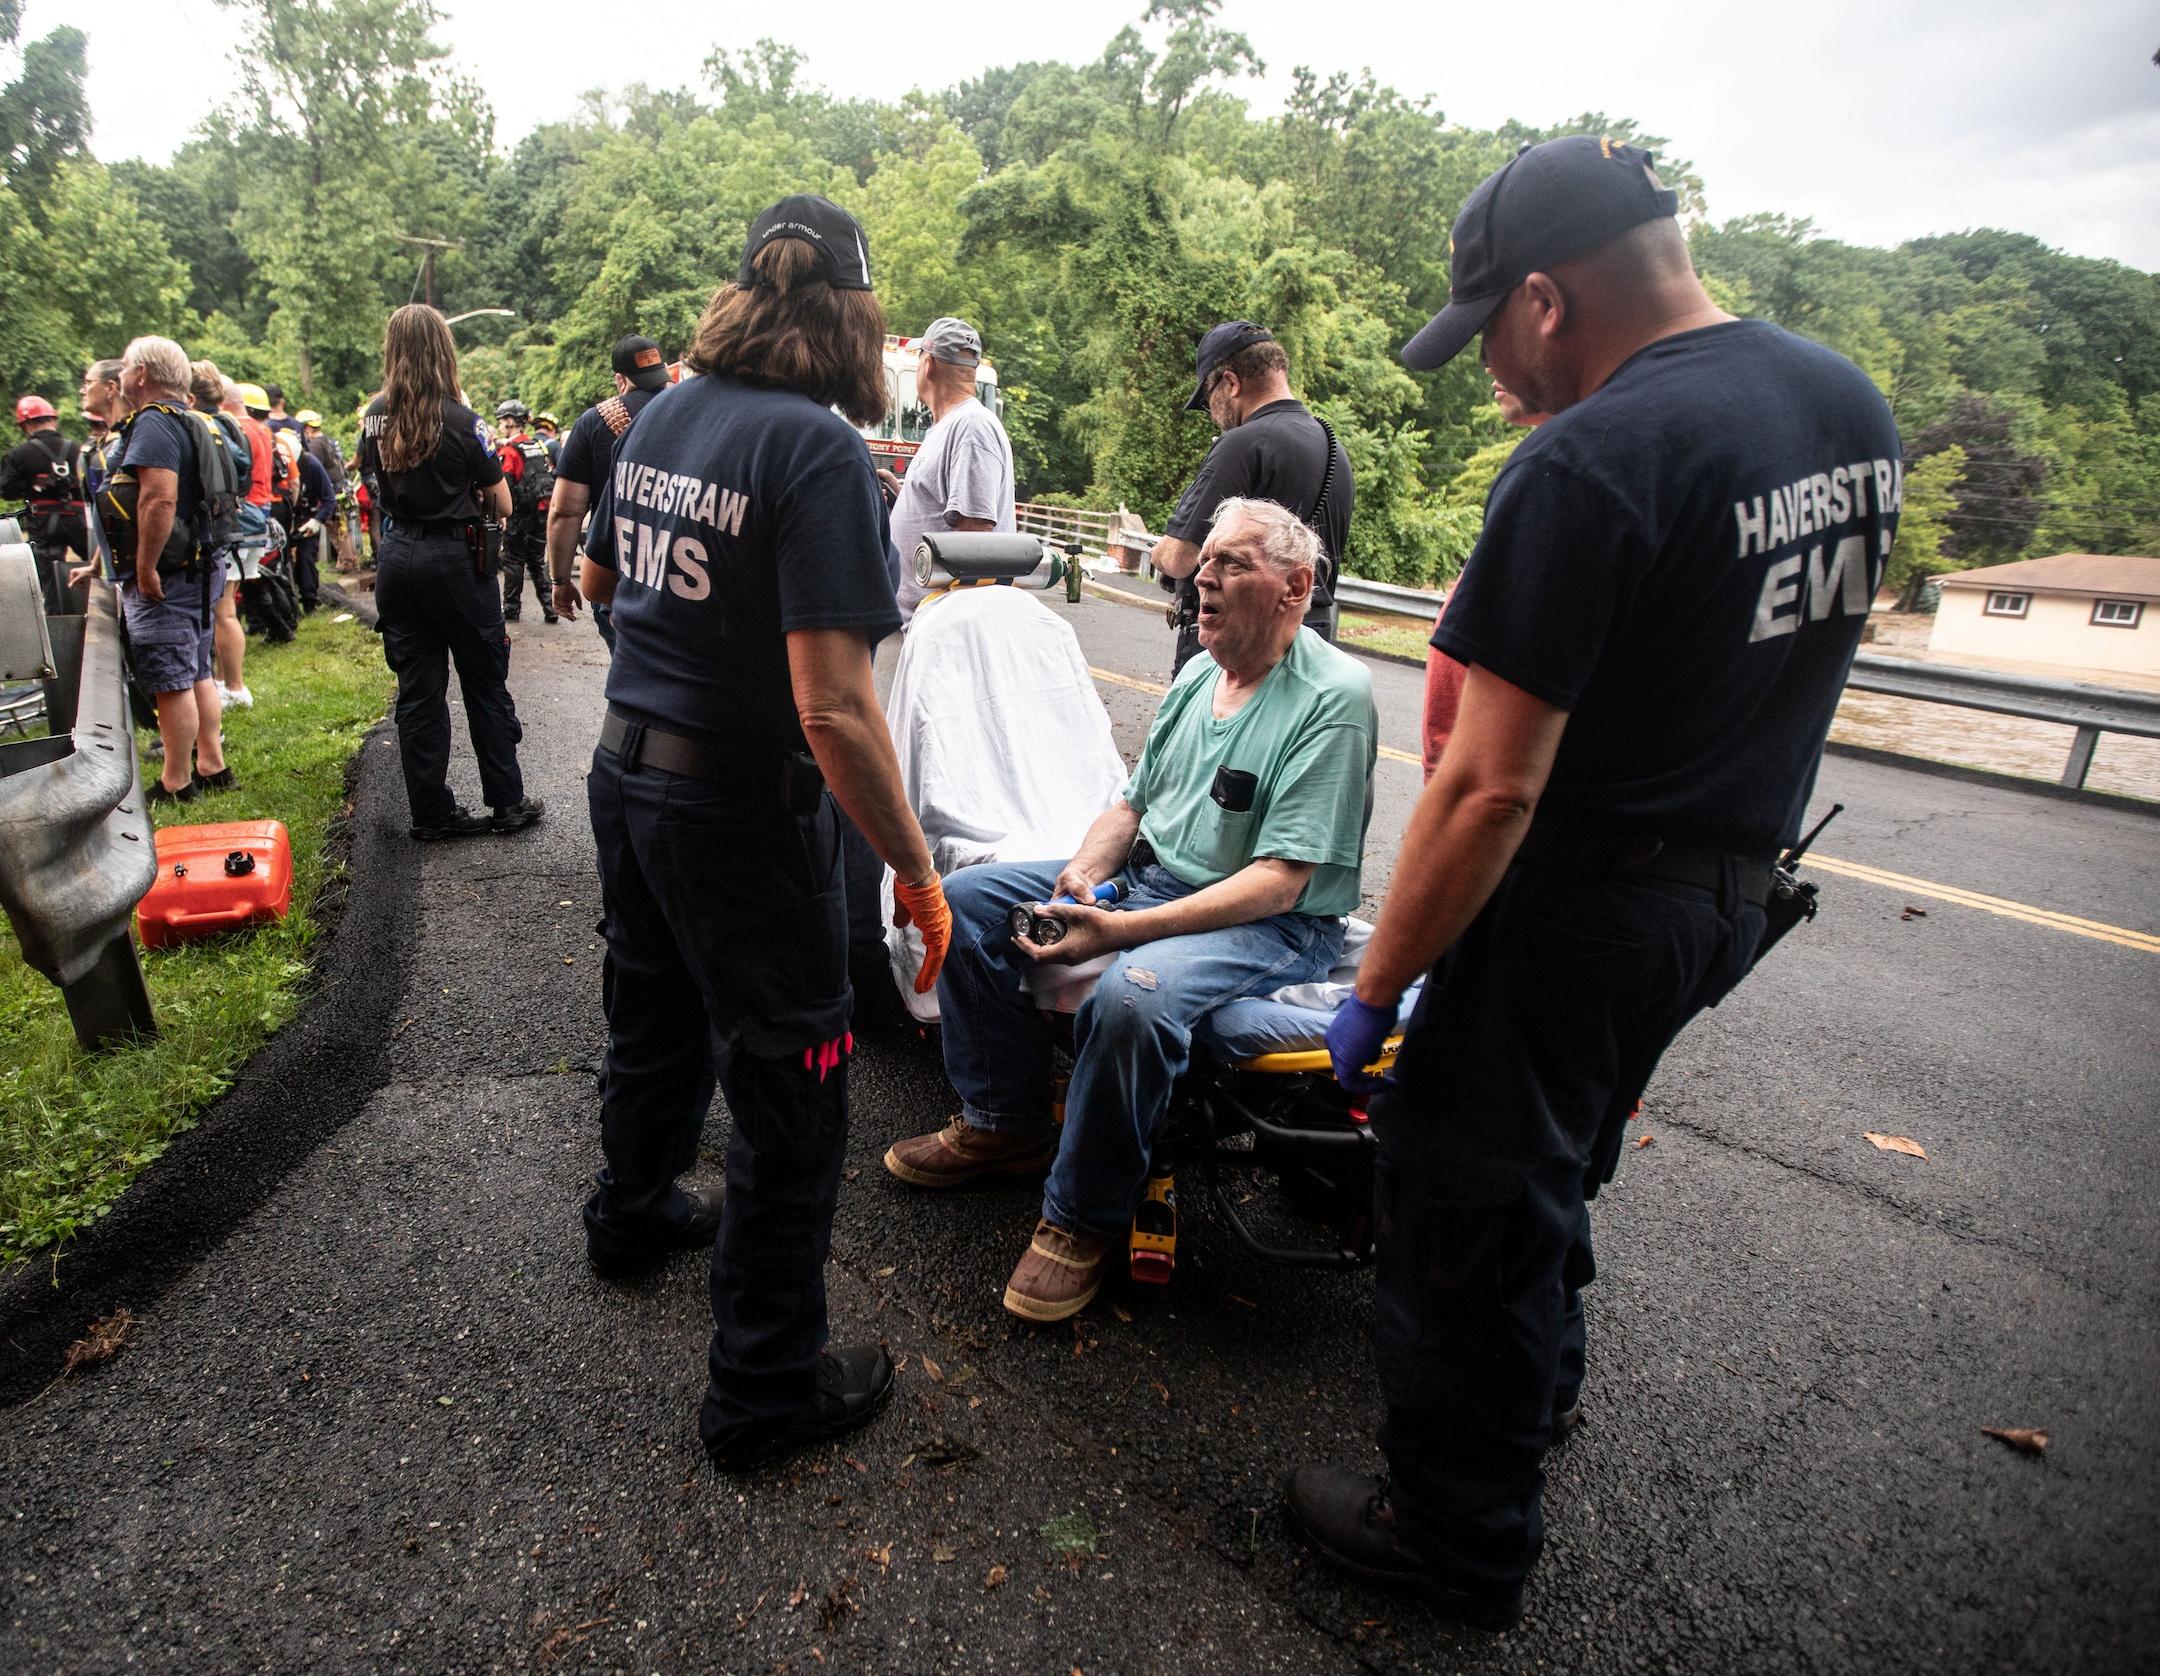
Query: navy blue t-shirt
(155,437)
(590,448)
(1684,563)
(733,515)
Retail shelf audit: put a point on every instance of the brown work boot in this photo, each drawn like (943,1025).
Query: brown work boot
(1060,1274)
(961,1152)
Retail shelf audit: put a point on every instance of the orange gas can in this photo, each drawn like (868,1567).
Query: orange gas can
(216,878)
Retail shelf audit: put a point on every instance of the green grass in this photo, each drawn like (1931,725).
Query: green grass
(1404,636)
(75,1127)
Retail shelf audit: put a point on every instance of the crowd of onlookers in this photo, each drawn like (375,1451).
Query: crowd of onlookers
(243,503)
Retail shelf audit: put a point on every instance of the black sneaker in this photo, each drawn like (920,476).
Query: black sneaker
(1564,1422)
(459,823)
(222,780)
(551,616)
(519,815)
(852,1385)
(1348,1520)
(155,792)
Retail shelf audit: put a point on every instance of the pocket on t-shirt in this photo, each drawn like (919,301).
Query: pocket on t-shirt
(1222,838)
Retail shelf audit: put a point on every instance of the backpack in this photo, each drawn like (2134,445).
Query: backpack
(243,453)
(534,486)
(57,479)
(207,525)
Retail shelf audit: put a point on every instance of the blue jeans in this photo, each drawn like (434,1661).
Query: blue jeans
(1132,1038)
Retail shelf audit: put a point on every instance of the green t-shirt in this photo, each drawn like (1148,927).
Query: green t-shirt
(1309,738)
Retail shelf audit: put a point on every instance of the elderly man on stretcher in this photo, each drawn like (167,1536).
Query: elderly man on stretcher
(1236,845)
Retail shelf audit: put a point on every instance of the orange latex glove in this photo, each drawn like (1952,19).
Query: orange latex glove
(923,906)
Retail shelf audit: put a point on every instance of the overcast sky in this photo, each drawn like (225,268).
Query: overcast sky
(1877,119)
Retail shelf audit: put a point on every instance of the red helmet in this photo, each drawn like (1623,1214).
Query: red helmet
(33,407)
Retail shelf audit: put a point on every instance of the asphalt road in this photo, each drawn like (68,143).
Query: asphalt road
(386,1419)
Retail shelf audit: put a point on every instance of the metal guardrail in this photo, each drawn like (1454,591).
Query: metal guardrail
(76,850)
(1362,595)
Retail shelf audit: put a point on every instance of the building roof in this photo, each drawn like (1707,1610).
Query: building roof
(2117,575)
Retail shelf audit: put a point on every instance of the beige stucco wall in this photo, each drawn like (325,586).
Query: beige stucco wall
(2057,629)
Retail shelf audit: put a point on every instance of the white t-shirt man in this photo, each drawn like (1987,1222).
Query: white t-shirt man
(964,469)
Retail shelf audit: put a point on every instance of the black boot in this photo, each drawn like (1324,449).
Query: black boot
(1348,1519)
(852,1385)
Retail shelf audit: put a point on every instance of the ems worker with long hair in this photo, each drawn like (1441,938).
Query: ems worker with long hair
(741,538)
(435,593)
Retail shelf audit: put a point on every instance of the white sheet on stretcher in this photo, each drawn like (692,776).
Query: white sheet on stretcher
(1004,745)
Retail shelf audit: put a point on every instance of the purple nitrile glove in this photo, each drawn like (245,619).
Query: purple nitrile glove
(1354,1041)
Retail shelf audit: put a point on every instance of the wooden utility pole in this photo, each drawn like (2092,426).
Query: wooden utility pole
(428,248)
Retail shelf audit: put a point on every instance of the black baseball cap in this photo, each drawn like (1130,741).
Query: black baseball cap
(837,237)
(1218,346)
(640,361)
(1548,203)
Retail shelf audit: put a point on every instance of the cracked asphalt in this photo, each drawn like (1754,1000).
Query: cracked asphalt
(376,1414)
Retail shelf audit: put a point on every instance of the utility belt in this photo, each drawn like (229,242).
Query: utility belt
(483,536)
(793,777)
(64,506)
(393,524)
(1600,853)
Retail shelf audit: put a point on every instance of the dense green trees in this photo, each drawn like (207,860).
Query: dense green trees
(1093,218)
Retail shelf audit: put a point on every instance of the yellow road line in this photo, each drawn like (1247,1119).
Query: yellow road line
(1158,689)
(2143,941)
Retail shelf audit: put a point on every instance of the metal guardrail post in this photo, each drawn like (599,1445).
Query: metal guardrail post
(2082,746)
(76,851)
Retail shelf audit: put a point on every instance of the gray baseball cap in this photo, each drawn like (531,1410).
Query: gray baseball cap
(954,341)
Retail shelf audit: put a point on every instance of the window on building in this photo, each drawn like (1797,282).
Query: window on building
(2008,605)
(2118,613)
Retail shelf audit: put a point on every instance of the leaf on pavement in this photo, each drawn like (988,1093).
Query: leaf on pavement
(2027,1440)
(994,1578)
(936,1373)
(886,1273)
(1896,1143)
(100,1344)
(882,1556)
(1642,1141)
(943,1555)
(797,1595)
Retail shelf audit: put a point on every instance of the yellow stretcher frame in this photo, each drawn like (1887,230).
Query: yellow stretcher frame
(1304,1060)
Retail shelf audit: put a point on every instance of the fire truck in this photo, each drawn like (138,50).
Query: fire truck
(894,441)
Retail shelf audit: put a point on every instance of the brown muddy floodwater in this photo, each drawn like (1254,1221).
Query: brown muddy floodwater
(2006,744)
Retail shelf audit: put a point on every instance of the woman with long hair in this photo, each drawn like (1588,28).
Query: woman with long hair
(435,595)
(742,540)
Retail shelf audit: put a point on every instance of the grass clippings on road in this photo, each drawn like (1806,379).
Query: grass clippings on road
(75,1128)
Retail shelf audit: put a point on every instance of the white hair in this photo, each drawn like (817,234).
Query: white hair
(162,361)
(1286,540)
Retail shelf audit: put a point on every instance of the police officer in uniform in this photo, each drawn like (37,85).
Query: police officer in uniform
(742,539)
(435,594)
(588,455)
(1657,622)
(44,473)
(1271,448)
